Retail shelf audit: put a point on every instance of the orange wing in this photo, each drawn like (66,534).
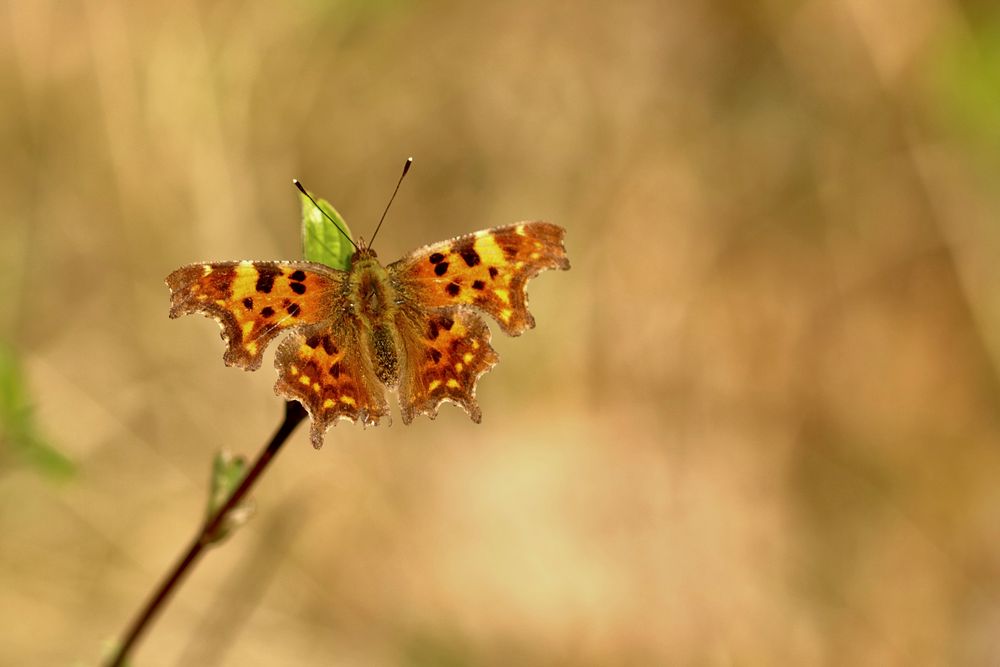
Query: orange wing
(447,344)
(322,368)
(488,270)
(255,301)
(445,354)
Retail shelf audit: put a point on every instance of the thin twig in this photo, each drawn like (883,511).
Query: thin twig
(294,414)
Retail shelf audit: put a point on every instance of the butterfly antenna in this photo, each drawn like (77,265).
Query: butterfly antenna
(406,168)
(327,215)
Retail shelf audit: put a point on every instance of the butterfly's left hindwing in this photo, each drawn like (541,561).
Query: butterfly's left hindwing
(323,368)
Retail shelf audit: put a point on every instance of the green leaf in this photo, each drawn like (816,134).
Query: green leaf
(109,651)
(227,473)
(966,81)
(321,241)
(18,430)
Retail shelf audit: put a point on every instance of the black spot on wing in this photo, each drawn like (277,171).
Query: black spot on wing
(328,346)
(248,303)
(470,255)
(293,309)
(298,275)
(265,277)
(453,289)
(436,257)
(298,288)
(266,311)
(441,269)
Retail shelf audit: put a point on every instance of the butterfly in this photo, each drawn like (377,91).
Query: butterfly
(415,326)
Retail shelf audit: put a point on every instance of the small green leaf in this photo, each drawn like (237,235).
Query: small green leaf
(965,75)
(109,651)
(321,241)
(227,473)
(18,430)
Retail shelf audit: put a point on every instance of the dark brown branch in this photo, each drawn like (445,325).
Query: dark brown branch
(294,414)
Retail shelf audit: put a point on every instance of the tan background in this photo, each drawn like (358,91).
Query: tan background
(757,422)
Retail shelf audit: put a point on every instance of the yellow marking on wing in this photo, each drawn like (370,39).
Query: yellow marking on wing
(316,387)
(459,367)
(347,400)
(475,344)
(467,357)
(247,327)
(535,255)
(205,270)
(488,250)
(246,271)
(305,351)
(434,385)
(453,383)
(328,403)
(305,380)
(458,329)
(518,265)
(503,295)
(520,230)
(220,302)
(505,314)
(293,369)
(251,347)
(202,297)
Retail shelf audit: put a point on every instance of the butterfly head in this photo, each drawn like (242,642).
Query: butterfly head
(363,251)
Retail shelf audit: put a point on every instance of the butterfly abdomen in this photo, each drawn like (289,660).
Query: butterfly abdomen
(384,354)
(375,306)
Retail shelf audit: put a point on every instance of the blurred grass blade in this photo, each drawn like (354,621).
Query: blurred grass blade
(227,473)
(321,242)
(18,430)
(966,79)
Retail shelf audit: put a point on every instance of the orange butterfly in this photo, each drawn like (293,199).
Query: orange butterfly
(414,325)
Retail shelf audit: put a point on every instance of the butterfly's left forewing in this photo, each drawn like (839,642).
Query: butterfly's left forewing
(255,301)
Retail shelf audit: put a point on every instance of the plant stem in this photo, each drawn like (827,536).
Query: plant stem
(294,414)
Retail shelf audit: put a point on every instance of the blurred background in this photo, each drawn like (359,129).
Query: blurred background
(757,422)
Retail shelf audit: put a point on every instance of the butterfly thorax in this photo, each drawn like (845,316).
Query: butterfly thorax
(373,301)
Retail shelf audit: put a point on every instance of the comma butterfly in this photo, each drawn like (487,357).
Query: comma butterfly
(414,325)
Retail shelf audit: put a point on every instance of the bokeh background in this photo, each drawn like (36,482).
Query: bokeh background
(757,422)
